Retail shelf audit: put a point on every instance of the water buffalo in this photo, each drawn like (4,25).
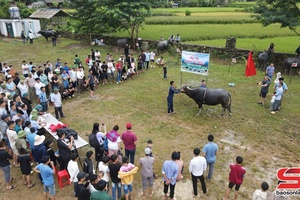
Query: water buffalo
(288,63)
(48,33)
(162,45)
(122,42)
(209,97)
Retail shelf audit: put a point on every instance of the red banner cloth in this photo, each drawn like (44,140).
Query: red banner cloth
(250,66)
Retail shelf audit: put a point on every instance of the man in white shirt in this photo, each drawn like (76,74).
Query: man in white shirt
(38,84)
(197,168)
(80,76)
(97,55)
(25,69)
(5,69)
(152,58)
(73,170)
(56,101)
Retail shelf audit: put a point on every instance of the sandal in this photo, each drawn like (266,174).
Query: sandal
(11,187)
(32,185)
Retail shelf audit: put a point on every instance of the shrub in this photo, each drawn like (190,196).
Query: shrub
(188,12)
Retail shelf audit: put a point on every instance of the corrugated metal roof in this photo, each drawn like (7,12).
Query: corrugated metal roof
(48,13)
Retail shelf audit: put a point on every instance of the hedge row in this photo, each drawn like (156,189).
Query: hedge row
(212,21)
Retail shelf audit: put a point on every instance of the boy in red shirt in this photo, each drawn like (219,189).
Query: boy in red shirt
(236,176)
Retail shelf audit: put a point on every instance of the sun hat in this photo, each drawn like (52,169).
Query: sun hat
(34,112)
(39,139)
(147,151)
(34,117)
(21,134)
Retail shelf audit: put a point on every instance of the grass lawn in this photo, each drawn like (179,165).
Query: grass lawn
(203,18)
(196,9)
(282,44)
(267,142)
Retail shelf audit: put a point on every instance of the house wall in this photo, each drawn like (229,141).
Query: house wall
(18,25)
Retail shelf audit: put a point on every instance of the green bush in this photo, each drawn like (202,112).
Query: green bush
(188,12)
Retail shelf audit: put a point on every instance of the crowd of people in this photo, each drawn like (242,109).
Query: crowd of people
(280,88)
(23,141)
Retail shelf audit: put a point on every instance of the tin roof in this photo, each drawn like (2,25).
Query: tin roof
(48,13)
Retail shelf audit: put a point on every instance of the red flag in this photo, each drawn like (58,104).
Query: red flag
(250,66)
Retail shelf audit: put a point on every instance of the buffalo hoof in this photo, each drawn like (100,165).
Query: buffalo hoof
(230,114)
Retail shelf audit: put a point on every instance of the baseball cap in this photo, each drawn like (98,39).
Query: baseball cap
(128,125)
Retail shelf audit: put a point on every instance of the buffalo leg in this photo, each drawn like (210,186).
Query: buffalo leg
(200,110)
(223,110)
(229,110)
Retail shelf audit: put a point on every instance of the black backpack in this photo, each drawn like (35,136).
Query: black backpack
(94,141)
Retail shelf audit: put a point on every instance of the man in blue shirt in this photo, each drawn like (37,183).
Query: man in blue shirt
(172,91)
(47,175)
(210,152)
(270,71)
(170,172)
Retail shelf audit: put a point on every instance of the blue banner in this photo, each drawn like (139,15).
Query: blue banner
(194,62)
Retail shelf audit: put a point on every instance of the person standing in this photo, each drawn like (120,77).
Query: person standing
(278,97)
(170,97)
(64,150)
(152,58)
(147,163)
(47,175)
(147,59)
(43,100)
(23,37)
(270,71)
(25,69)
(130,140)
(83,192)
(264,89)
(165,70)
(56,101)
(197,168)
(113,169)
(284,87)
(236,177)
(73,170)
(91,82)
(170,172)
(80,76)
(54,38)
(210,153)
(31,36)
(126,50)
(5,166)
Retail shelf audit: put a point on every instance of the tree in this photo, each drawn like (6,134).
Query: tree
(85,16)
(125,15)
(285,12)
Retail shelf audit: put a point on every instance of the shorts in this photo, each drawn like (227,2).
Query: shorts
(26,170)
(147,181)
(6,171)
(152,61)
(50,189)
(237,186)
(127,188)
(263,94)
(92,87)
(15,150)
(105,76)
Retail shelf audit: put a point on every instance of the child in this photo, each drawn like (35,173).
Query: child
(165,70)
(88,166)
(203,84)
(24,160)
(50,152)
(82,187)
(236,176)
(150,145)
(103,166)
(113,169)
(272,101)
(18,125)
(126,175)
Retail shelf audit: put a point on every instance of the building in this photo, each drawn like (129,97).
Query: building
(14,27)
